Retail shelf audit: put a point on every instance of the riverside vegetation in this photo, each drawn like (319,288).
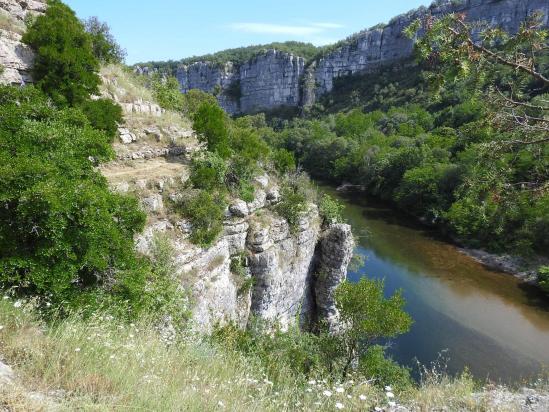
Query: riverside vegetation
(89,324)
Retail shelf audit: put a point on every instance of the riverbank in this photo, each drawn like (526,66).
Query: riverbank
(522,268)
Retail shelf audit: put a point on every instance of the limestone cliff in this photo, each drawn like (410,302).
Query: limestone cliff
(279,79)
(15,57)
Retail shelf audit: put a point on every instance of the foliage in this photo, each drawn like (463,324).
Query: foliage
(294,201)
(62,230)
(105,47)
(208,172)
(65,66)
(331,209)
(368,316)
(166,92)
(284,161)
(103,114)
(205,211)
(210,124)
(543,278)
(237,56)
(374,364)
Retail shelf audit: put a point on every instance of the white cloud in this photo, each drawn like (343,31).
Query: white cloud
(304,30)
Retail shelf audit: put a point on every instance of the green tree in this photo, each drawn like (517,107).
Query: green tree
(211,125)
(366,316)
(61,230)
(65,66)
(105,48)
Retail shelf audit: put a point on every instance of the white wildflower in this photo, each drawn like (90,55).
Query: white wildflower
(312,382)
(378,409)
(1,327)
(309,390)
(362,397)
(77,350)
(339,405)
(327,393)
(18,304)
(392,404)
(390,394)
(388,389)
(340,390)
(349,397)
(221,404)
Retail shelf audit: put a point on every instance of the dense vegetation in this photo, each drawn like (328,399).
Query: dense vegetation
(238,56)
(427,139)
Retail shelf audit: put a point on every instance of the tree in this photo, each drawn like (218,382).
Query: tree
(105,48)
(211,125)
(508,67)
(62,231)
(367,316)
(65,66)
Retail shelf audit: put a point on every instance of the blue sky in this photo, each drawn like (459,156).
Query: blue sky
(173,29)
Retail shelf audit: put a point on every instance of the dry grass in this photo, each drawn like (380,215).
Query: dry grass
(11,24)
(124,85)
(105,365)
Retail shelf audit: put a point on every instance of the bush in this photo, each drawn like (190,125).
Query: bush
(543,278)
(331,209)
(62,231)
(208,172)
(284,161)
(211,125)
(205,212)
(65,66)
(105,48)
(103,114)
(167,93)
(294,200)
(374,365)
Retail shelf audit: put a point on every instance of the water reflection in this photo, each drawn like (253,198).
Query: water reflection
(490,323)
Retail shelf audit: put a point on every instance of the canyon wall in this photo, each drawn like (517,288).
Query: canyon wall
(277,79)
(15,57)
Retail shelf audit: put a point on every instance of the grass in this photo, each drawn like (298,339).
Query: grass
(102,364)
(126,86)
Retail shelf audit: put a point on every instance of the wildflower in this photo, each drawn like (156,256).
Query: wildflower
(378,409)
(77,350)
(340,390)
(362,397)
(390,394)
(1,327)
(17,304)
(327,393)
(309,390)
(339,405)
(349,397)
(392,404)
(6,297)
(312,382)
(388,389)
(221,404)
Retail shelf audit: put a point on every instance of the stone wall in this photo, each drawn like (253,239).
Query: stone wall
(15,57)
(279,79)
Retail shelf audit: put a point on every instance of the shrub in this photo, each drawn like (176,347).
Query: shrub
(543,278)
(284,161)
(331,209)
(205,211)
(211,125)
(62,231)
(105,48)
(294,200)
(208,171)
(167,93)
(103,114)
(374,365)
(65,67)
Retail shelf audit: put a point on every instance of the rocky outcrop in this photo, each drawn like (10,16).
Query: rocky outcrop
(16,58)
(378,47)
(334,254)
(268,81)
(277,79)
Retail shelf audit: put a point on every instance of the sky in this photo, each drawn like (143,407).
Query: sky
(174,29)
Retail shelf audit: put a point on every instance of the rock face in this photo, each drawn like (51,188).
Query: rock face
(268,81)
(276,283)
(372,49)
(276,79)
(15,57)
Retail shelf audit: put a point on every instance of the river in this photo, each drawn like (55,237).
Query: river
(479,319)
